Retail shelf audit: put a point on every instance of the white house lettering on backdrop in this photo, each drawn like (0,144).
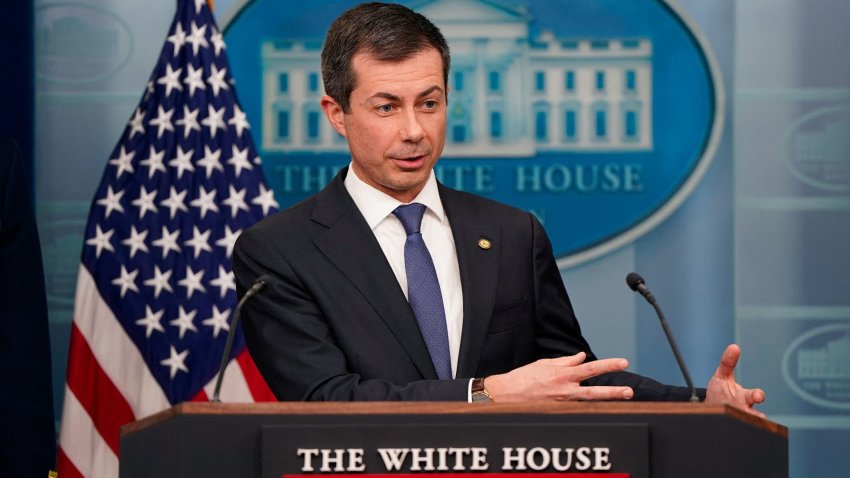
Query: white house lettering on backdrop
(455,459)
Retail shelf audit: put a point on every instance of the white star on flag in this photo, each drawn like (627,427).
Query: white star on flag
(236,201)
(228,241)
(145,202)
(168,241)
(124,162)
(136,124)
(225,281)
(192,281)
(218,321)
(160,281)
(178,38)
(197,38)
(217,81)
(101,240)
(176,361)
(136,241)
(175,202)
(185,321)
(154,162)
(193,79)
(182,162)
(151,321)
(210,161)
(239,120)
(162,121)
(200,241)
(239,160)
(189,121)
(126,281)
(171,80)
(214,120)
(112,202)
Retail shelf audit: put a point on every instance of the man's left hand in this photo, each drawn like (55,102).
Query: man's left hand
(723,389)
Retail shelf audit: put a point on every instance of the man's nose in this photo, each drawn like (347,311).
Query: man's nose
(411,130)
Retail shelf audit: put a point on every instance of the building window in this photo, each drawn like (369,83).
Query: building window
(494,82)
(313,126)
(631,80)
(283,125)
(599,44)
(600,81)
(459,133)
(630,120)
(313,82)
(541,122)
(540,81)
(458,86)
(495,124)
(571,125)
(540,125)
(283,83)
(600,120)
(570,80)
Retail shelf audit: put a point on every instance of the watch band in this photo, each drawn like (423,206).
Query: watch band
(479,392)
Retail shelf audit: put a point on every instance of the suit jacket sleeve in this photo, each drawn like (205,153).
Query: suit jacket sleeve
(559,332)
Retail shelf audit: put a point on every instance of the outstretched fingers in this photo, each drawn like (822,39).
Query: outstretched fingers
(602,393)
(728,362)
(599,367)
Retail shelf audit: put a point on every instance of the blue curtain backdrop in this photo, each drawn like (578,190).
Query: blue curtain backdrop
(756,255)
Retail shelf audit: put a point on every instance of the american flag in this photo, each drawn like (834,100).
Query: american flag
(155,289)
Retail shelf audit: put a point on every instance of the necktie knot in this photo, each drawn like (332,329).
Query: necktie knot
(410,216)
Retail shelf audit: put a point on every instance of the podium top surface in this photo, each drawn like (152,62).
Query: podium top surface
(450,408)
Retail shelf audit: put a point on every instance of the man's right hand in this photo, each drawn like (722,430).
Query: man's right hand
(557,379)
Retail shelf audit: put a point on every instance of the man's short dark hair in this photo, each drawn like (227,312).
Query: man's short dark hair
(388,32)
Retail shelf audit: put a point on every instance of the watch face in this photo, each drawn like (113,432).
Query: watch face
(481,397)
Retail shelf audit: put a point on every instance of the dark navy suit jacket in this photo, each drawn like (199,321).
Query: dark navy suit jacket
(334,324)
(27,432)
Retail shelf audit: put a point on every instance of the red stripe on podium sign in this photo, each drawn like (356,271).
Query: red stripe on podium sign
(463,475)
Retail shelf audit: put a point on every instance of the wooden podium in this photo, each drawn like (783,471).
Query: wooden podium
(613,439)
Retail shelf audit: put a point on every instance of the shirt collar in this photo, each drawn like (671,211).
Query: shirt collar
(376,205)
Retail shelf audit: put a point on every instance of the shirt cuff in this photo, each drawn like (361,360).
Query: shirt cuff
(469,391)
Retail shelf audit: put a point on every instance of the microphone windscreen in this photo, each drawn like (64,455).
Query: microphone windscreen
(634,280)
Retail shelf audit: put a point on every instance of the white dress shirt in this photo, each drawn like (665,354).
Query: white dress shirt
(377,207)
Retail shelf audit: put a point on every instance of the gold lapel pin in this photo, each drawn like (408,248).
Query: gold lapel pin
(484,244)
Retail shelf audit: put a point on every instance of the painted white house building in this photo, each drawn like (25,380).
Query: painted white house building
(511,95)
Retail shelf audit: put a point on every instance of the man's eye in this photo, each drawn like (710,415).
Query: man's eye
(385,108)
(430,104)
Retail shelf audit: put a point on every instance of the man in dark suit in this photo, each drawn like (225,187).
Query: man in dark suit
(27,433)
(344,315)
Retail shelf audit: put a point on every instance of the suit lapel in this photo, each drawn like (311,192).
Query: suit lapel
(479,267)
(351,246)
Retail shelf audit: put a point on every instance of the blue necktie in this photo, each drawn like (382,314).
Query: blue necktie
(423,289)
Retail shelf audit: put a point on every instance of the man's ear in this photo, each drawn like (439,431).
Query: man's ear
(334,114)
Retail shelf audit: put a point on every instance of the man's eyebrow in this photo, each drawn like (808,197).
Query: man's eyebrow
(392,97)
(429,91)
(387,96)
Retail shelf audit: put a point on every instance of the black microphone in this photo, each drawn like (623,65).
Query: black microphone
(258,285)
(636,283)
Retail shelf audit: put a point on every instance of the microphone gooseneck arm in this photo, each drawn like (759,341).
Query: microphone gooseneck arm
(225,356)
(637,284)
